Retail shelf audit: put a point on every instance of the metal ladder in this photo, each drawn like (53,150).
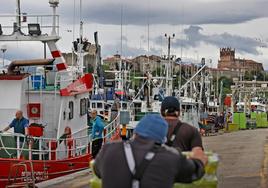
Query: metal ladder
(28,181)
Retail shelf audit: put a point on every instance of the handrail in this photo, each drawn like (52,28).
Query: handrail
(113,121)
(28,15)
(112,126)
(45,144)
(43,20)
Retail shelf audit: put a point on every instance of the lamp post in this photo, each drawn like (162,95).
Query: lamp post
(169,69)
(3,49)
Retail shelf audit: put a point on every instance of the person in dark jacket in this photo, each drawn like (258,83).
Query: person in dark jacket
(166,166)
(180,135)
(220,120)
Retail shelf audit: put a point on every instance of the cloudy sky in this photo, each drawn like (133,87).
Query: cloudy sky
(201,27)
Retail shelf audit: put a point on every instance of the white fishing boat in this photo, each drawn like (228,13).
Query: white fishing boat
(55,98)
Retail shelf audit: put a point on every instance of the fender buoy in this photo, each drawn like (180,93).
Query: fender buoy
(70,146)
(54,145)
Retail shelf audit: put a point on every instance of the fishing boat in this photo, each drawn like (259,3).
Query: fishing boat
(55,99)
(191,95)
(255,105)
(154,89)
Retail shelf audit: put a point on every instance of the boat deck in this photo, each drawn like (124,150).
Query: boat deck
(78,179)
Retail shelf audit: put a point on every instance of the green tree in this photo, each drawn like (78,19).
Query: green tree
(259,75)
(248,76)
(157,72)
(226,84)
(105,67)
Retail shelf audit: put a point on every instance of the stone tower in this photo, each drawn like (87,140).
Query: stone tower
(227,54)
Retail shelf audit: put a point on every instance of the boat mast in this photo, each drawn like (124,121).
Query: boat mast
(169,69)
(120,83)
(148,60)
(82,45)
(18,16)
(81,55)
(54,5)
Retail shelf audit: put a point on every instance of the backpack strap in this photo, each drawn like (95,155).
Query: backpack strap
(146,161)
(137,172)
(174,134)
(130,157)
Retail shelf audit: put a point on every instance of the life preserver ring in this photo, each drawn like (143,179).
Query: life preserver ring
(34,110)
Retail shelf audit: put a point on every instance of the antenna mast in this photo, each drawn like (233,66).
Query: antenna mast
(18,15)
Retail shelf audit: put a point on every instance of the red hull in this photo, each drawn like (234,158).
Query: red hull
(45,169)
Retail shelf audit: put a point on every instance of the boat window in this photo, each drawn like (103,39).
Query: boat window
(83,107)
(99,105)
(124,105)
(88,103)
(71,108)
(64,115)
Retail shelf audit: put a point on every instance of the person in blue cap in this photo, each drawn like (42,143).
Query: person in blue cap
(145,161)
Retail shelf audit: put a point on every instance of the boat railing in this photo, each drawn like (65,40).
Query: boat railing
(60,80)
(43,20)
(64,78)
(111,128)
(18,146)
(111,132)
(36,82)
(40,148)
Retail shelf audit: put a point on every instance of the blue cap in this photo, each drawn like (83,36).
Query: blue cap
(154,127)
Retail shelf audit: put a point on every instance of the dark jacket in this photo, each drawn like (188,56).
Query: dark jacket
(167,167)
(187,136)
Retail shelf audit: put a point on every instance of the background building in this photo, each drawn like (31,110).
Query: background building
(89,58)
(229,62)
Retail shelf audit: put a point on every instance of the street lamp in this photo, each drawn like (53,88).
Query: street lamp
(53,2)
(3,49)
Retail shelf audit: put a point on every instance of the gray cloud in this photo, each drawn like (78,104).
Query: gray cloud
(128,51)
(25,51)
(175,12)
(171,12)
(194,37)
(157,11)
